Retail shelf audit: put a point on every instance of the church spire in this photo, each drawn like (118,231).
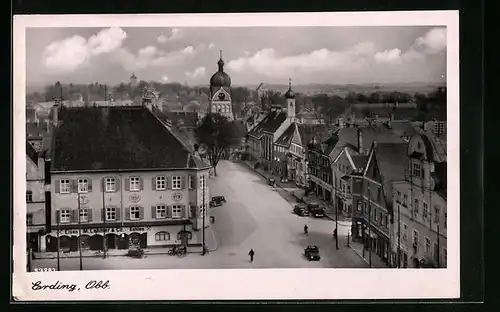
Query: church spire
(220,62)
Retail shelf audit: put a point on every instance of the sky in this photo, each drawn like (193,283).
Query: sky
(329,55)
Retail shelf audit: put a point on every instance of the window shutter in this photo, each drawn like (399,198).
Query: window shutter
(153,212)
(183,182)
(117,183)
(194,180)
(169,211)
(89,214)
(127,214)
(185,211)
(57,186)
(141,213)
(58,217)
(168,182)
(127,184)
(74,215)
(141,183)
(118,214)
(193,210)
(153,183)
(102,184)
(73,186)
(89,181)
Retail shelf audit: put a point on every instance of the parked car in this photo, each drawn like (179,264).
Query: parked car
(312,205)
(312,253)
(217,201)
(318,212)
(272,181)
(300,210)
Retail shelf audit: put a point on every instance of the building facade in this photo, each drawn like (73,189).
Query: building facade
(220,92)
(421,210)
(320,168)
(125,179)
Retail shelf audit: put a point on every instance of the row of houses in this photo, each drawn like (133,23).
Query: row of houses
(109,175)
(388,176)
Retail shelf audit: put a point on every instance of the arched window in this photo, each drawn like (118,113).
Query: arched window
(29,196)
(162,236)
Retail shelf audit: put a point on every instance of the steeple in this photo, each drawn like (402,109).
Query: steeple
(220,62)
(289,94)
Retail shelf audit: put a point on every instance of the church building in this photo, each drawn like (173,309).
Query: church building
(220,92)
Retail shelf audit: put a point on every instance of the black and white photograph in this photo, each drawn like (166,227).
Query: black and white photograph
(179,146)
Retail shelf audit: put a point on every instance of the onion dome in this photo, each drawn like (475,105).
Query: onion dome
(220,78)
(289,94)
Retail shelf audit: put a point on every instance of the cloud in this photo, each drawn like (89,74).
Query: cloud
(211,45)
(247,53)
(432,42)
(175,34)
(388,56)
(197,73)
(74,52)
(151,56)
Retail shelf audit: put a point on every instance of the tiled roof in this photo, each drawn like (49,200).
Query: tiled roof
(309,131)
(186,119)
(403,128)
(32,154)
(270,123)
(391,163)
(331,143)
(128,138)
(286,138)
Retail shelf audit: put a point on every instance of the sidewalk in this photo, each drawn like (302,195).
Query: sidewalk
(376,261)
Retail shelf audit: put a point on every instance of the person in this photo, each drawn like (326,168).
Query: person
(251,253)
(335,233)
(306,229)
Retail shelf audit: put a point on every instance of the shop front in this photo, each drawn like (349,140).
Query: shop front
(376,241)
(119,238)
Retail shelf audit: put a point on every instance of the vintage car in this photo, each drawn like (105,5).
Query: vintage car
(318,212)
(217,201)
(272,181)
(300,210)
(312,253)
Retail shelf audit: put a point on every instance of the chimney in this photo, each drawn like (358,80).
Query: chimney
(360,141)
(55,115)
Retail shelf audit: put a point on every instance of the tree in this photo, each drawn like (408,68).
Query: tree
(216,134)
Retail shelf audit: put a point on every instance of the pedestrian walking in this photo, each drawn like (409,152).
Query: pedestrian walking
(251,253)
(306,229)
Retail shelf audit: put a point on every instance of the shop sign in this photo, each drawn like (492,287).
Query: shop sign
(176,196)
(85,231)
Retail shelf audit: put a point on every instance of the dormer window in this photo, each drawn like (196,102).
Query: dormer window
(417,172)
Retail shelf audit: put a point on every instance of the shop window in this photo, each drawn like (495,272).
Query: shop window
(176,211)
(83,186)
(160,183)
(64,186)
(110,214)
(110,184)
(161,211)
(64,215)
(135,213)
(162,236)
(134,184)
(85,241)
(29,196)
(176,182)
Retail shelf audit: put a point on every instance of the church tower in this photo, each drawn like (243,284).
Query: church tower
(133,80)
(220,92)
(290,101)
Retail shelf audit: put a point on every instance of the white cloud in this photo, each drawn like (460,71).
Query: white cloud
(211,45)
(388,56)
(151,56)
(432,42)
(175,34)
(71,53)
(197,73)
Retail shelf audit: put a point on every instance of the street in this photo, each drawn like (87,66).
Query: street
(256,216)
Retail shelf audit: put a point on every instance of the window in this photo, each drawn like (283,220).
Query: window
(375,215)
(359,206)
(29,196)
(425,209)
(348,189)
(176,182)
(416,170)
(135,213)
(405,232)
(84,215)
(187,234)
(176,211)
(110,214)
(110,184)
(398,198)
(366,208)
(161,211)
(134,184)
(191,182)
(161,183)
(437,211)
(415,207)
(64,186)
(29,219)
(202,182)
(415,237)
(64,216)
(83,186)
(427,245)
(162,236)
(405,199)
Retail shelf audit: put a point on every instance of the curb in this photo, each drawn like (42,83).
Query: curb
(360,255)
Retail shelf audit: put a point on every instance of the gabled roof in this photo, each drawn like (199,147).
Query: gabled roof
(286,138)
(32,153)
(128,138)
(359,161)
(270,123)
